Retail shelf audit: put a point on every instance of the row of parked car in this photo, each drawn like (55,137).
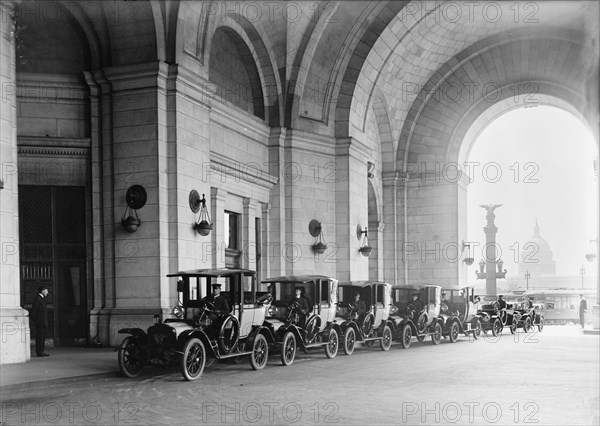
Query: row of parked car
(305,312)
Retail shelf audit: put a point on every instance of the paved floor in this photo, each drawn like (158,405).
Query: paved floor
(548,378)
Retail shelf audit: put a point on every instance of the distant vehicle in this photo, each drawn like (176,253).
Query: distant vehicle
(561,306)
(290,328)
(521,314)
(372,325)
(198,334)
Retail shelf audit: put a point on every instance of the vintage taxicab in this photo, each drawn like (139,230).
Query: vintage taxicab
(302,314)
(460,313)
(493,317)
(364,314)
(198,332)
(417,314)
(521,313)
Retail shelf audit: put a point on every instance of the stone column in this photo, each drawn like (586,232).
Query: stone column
(14,322)
(248,242)
(217,200)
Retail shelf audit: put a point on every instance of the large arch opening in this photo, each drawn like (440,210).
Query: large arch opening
(541,164)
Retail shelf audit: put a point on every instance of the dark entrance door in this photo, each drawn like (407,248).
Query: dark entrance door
(52,237)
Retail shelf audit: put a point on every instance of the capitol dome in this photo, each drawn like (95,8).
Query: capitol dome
(536,256)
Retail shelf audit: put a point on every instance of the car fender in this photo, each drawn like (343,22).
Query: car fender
(199,334)
(336,327)
(139,334)
(390,324)
(292,328)
(261,329)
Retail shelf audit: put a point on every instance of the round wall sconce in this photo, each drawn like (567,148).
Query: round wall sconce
(136,198)
(365,249)
(316,230)
(591,256)
(203,225)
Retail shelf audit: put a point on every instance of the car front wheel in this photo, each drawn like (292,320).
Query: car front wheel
(476,326)
(288,348)
(260,353)
(497,327)
(541,324)
(331,348)
(386,338)
(454,332)
(349,340)
(527,325)
(193,359)
(405,336)
(130,357)
(436,337)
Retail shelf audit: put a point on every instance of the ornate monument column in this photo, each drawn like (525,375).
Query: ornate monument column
(490,262)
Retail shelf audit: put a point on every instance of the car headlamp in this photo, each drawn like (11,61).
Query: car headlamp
(272,311)
(393,310)
(178,311)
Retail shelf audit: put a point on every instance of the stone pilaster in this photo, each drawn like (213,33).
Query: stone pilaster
(14,321)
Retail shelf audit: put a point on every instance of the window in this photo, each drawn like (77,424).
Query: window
(232,244)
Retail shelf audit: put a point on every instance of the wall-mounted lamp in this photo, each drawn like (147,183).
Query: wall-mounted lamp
(203,225)
(316,230)
(592,255)
(365,249)
(468,260)
(370,170)
(135,197)
(1,184)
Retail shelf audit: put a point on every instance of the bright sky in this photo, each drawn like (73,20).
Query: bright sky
(546,156)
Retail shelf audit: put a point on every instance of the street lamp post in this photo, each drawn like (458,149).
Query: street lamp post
(527,276)
(582,272)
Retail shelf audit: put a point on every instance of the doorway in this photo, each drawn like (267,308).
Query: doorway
(53,253)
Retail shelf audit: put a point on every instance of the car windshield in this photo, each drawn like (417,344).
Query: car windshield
(283,292)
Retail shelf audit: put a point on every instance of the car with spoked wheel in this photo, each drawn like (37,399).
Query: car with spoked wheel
(460,313)
(364,314)
(521,313)
(302,315)
(493,317)
(205,326)
(417,313)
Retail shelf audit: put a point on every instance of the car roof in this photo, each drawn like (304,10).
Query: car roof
(224,272)
(296,278)
(366,283)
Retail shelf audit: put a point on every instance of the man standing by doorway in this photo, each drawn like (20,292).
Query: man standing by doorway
(39,316)
(582,309)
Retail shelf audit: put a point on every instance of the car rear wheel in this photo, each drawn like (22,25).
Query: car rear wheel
(349,341)
(288,348)
(541,324)
(331,348)
(260,353)
(386,338)
(497,327)
(476,326)
(405,336)
(454,332)
(130,357)
(436,337)
(193,359)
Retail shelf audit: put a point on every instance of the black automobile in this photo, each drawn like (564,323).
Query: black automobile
(460,313)
(364,314)
(493,317)
(307,321)
(199,333)
(521,313)
(417,313)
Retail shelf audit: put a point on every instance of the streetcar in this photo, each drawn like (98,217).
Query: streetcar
(561,306)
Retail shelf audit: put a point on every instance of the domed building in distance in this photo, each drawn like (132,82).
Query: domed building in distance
(537,257)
